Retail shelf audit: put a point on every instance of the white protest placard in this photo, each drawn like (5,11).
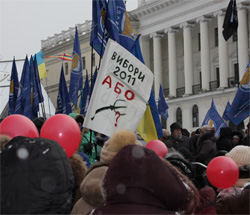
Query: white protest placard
(121,92)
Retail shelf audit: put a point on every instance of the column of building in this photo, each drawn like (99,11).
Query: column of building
(188,57)
(242,39)
(145,48)
(205,52)
(223,51)
(157,63)
(172,61)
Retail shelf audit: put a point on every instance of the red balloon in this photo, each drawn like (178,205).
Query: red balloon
(158,147)
(222,172)
(18,125)
(64,130)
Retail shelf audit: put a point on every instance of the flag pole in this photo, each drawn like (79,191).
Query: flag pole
(91,93)
(48,98)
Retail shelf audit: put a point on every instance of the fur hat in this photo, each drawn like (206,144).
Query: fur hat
(206,128)
(116,142)
(240,154)
(174,126)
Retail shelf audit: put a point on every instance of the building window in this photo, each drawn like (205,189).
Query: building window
(199,41)
(93,59)
(179,115)
(83,63)
(216,42)
(236,72)
(218,76)
(66,68)
(195,114)
(235,37)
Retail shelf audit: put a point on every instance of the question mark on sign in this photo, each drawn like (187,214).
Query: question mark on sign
(119,114)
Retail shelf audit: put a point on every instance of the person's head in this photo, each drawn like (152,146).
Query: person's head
(79,119)
(39,121)
(117,141)
(4,139)
(36,177)
(175,129)
(241,155)
(236,139)
(205,129)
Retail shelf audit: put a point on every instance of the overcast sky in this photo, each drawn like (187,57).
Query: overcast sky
(24,23)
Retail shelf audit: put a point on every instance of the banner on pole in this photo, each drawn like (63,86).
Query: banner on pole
(121,92)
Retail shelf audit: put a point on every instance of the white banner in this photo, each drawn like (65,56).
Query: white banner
(121,92)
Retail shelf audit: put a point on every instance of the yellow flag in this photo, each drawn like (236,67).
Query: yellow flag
(42,71)
(146,127)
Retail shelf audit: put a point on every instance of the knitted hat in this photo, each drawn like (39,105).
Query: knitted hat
(241,155)
(116,142)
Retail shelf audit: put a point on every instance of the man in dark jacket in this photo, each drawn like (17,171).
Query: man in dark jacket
(225,141)
(177,139)
(36,177)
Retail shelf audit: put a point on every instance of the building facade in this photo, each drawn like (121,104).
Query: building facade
(182,44)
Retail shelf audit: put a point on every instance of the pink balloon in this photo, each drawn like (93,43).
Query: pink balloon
(18,125)
(222,172)
(158,147)
(64,130)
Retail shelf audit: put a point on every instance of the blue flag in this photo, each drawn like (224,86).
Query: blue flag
(225,114)
(136,51)
(14,87)
(213,119)
(34,91)
(25,83)
(93,80)
(76,80)
(99,35)
(118,24)
(162,105)
(84,102)
(240,107)
(37,79)
(63,103)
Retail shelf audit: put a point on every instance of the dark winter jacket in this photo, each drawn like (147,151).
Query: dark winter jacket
(206,148)
(182,142)
(36,177)
(233,200)
(225,141)
(139,182)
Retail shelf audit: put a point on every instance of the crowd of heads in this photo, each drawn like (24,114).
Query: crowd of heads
(121,175)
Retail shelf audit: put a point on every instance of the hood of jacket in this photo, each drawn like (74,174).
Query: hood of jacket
(136,175)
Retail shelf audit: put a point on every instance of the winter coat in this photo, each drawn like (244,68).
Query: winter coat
(79,170)
(92,194)
(207,201)
(182,142)
(36,177)
(233,200)
(206,148)
(193,142)
(139,182)
(225,141)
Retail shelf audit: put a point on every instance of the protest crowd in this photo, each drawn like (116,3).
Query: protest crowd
(110,158)
(122,175)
